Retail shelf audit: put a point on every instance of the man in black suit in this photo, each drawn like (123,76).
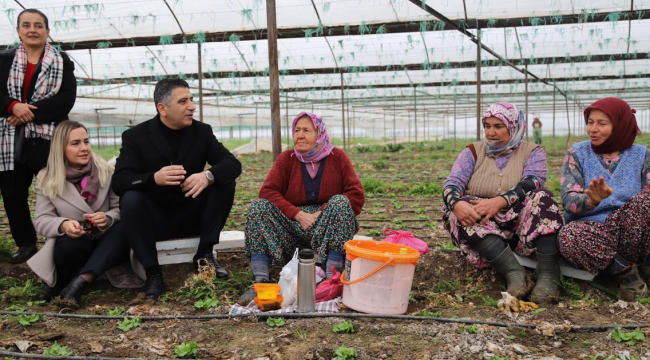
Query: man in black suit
(165,191)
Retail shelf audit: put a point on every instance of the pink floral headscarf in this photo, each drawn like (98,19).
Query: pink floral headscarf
(514,120)
(323,146)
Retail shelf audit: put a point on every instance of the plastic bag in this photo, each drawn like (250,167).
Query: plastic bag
(289,281)
(406,238)
(330,288)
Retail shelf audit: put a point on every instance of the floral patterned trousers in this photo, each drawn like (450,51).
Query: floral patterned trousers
(537,215)
(592,245)
(269,231)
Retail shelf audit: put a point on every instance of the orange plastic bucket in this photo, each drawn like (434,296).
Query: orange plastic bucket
(378,276)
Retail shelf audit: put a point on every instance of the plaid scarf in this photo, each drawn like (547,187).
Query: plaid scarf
(48,83)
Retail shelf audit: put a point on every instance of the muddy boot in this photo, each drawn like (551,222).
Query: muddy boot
(250,293)
(506,264)
(548,275)
(631,285)
(72,292)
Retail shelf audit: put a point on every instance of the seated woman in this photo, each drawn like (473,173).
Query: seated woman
(494,201)
(310,198)
(606,198)
(78,213)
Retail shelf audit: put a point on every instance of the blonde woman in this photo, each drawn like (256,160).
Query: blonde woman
(78,213)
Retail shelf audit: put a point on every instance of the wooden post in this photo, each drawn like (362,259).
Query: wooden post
(200,84)
(274,78)
(343,111)
(478,84)
(526,105)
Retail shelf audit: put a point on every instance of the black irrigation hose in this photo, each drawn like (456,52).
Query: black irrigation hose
(40,356)
(585,328)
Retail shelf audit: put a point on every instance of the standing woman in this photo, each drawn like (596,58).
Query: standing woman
(79,213)
(495,202)
(38,91)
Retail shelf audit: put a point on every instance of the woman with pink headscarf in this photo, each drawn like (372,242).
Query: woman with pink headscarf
(310,198)
(495,203)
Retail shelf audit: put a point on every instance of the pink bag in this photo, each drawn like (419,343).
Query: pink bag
(406,238)
(330,288)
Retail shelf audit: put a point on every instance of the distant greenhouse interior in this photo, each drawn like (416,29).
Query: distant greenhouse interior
(416,70)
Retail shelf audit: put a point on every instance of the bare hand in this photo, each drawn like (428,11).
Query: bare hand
(465,213)
(170,175)
(99,219)
(13,121)
(306,220)
(23,112)
(195,184)
(489,207)
(598,191)
(73,229)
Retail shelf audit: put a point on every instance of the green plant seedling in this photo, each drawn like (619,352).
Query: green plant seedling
(36,303)
(116,311)
(26,320)
(275,322)
(430,314)
(129,324)
(206,304)
(374,232)
(57,350)
(538,310)
(344,327)
(448,246)
(473,329)
(420,211)
(186,350)
(373,212)
(630,338)
(498,358)
(379,165)
(345,353)
(15,308)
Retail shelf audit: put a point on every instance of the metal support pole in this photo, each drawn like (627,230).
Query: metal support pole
(200,83)
(415,106)
(454,123)
(553,118)
(255,127)
(384,123)
(286,119)
(526,105)
(343,111)
(274,79)
(394,123)
(478,84)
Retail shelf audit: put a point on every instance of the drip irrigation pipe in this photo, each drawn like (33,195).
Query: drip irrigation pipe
(39,356)
(584,328)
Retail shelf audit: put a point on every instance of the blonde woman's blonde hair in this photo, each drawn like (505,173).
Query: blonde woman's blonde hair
(51,180)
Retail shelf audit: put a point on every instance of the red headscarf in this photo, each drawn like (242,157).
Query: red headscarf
(624,127)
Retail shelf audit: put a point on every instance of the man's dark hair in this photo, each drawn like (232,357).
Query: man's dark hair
(34,11)
(163,91)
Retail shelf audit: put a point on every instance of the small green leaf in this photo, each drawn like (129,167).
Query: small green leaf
(537,311)
(430,314)
(344,327)
(186,350)
(345,353)
(15,308)
(116,311)
(629,338)
(57,350)
(277,322)
(26,320)
(206,304)
(129,324)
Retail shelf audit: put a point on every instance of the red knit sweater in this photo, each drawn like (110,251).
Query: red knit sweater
(284,186)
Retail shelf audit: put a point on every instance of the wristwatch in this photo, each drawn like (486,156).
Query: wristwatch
(210,177)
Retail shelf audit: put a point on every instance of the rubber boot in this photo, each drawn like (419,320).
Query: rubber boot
(631,285)
(548,275)
(506,264)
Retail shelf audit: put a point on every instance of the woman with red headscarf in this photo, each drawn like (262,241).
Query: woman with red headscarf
(606,198)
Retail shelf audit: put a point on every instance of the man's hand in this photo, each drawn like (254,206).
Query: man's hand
(598,191)
(170,175)
(306,220)
(23,112)
(72,228)
(99,219)
(195,184)
(489,207)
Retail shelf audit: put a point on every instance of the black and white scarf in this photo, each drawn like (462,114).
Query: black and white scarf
(48,83)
